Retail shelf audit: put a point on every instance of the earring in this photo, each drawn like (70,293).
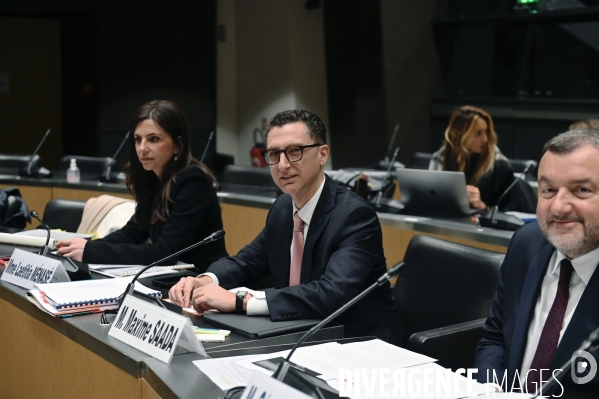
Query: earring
(176,158)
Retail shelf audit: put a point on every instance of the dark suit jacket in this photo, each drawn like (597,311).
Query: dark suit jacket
(506,329)
(343,255)
(195,214)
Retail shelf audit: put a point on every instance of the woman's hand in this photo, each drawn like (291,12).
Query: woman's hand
(71,248)
(474,198)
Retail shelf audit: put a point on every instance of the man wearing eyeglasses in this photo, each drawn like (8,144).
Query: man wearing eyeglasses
(322,245)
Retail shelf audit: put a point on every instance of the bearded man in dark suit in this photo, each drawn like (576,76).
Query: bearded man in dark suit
(547,300)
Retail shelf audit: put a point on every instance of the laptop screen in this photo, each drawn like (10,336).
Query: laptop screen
(433,192)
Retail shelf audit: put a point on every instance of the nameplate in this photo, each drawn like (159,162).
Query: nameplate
(26,269)
(153,330)
(262,386)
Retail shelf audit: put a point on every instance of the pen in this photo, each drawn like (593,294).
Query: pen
(199,330)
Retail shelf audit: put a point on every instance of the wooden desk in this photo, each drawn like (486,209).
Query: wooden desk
(49,357)
(46,363)
(244,216)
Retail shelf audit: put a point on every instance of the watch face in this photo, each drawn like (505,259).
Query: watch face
(239,301)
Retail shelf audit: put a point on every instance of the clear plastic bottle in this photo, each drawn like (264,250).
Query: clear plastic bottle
(73,175)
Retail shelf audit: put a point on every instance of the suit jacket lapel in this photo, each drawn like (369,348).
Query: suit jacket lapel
(320,219)
(584,320)
(530,293)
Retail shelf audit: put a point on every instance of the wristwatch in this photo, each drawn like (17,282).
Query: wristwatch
(239,301)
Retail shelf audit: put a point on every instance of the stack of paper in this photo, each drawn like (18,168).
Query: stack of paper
(132,270)
(384,370)
(83,296)
(210,334)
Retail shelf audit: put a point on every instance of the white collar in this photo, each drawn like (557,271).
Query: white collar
(584,265)
(308,209)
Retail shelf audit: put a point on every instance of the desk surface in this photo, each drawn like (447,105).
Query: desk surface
(179,380)
(248,206)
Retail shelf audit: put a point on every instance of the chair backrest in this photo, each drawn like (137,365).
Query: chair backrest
(420,160)
(518,166)
(63,214)
(90,165)
(11,164)
(247,175)
(445,283)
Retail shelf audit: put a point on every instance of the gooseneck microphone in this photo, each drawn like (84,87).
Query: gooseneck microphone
(207,145)
(390,205)
(131,286)
(387,175)
(297,378)
(588,345)
(501,220)
(393,137)
(44,249)
(27,170)
(105,177)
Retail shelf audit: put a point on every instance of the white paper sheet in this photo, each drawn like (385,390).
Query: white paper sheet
(423,381)
(225,372)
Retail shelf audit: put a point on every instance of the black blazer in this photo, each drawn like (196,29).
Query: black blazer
(343,255)
(195,214)
(506,329)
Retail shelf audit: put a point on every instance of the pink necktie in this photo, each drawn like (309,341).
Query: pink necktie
(553,325)
(298,250)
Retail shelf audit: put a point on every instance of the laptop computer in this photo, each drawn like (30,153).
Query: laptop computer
(433,192)
(258,326)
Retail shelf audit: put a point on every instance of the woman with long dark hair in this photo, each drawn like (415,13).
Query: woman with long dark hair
(470,146)
(176,201)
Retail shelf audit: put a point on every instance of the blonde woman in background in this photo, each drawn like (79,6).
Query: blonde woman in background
(470,146)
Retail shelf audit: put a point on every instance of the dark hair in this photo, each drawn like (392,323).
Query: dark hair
(572,140)
(153,195)
(315,126)
(459,134)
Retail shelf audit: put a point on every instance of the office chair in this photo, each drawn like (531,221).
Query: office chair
(518,166)
(12,164)
(420,160)
(63,214)
(217,163)
(444,293)
(247,175)
(89,167)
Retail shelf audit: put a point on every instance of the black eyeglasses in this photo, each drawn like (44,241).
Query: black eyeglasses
(293,153)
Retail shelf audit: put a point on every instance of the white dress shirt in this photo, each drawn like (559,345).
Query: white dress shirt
(584,267)
(257,305)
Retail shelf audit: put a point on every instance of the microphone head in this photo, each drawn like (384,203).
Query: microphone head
(217,235)
(528,167)
(393,271)
(34,214)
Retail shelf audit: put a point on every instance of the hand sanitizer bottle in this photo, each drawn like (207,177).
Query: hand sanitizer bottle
(73,175)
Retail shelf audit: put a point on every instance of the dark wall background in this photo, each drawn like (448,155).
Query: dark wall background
(534,68)
(118,55)
(383,66)
(355,84)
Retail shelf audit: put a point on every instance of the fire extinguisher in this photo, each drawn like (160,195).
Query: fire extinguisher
(256,151)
